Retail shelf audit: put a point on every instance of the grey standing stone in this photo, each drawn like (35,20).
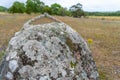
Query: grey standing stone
(50,51)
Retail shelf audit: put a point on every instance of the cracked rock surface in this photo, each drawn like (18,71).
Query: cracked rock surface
(51,51)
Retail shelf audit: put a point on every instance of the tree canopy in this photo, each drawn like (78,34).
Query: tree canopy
(47,9)
(77,11)
(34,6)
(17,7)
(37,6)
(55,8)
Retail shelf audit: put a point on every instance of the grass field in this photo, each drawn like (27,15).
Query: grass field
(113,18)
(104,31)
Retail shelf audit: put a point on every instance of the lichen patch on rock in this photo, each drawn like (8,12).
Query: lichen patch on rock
(50,51)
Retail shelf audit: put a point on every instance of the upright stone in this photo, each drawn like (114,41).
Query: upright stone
(49,51)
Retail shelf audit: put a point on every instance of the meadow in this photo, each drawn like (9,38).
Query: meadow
(104,31)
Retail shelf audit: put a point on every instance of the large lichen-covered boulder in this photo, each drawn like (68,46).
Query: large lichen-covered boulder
(49,51)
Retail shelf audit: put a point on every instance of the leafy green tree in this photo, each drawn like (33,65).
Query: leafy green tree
(68,13)
(64,12)
(47,9)
(38,6)
(29,6)
(55,8)
(34,6)
(17,7)
(77,11)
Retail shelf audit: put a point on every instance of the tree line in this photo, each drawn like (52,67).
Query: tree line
(37,6)
(117,13)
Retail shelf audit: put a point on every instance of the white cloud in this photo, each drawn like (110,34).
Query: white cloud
(8,3)
(101,5)
(65,3)
(88,5)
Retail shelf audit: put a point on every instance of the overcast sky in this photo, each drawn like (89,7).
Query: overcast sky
(88,5)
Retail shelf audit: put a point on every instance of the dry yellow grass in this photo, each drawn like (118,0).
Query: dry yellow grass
(42,21)
(104,33)
(114,18)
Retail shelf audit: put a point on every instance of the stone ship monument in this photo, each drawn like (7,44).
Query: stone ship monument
(48,51)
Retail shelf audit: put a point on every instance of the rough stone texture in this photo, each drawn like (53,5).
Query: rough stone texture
(51,51)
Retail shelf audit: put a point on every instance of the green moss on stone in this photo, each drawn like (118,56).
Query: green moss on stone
(1,54)
(72,64)
(70,44)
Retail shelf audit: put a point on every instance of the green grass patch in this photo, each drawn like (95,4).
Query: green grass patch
(2,54)
(103,75)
